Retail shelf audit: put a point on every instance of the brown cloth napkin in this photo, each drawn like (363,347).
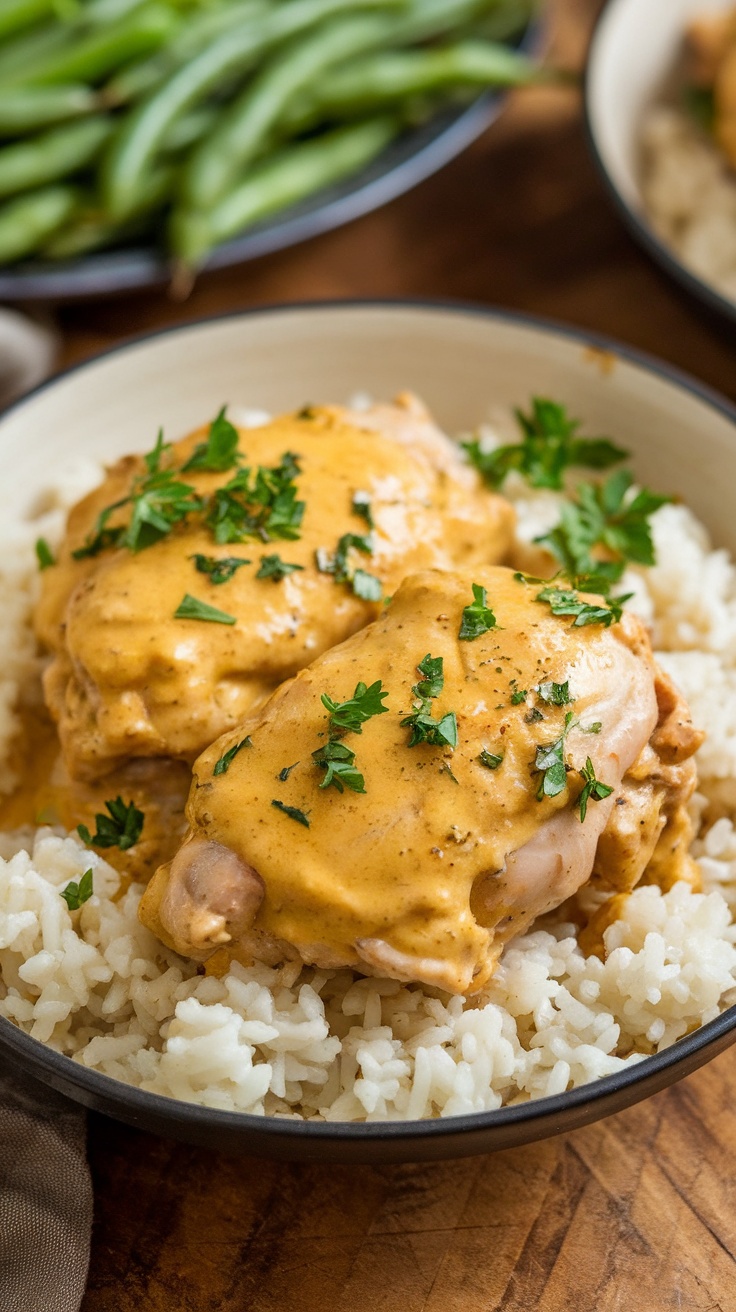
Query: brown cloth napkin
(45,1198)
(45,1186)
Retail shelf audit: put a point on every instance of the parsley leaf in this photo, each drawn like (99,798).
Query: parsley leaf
(259,505)
(102,536)
(44,554)
(338,760)
(424,728)
(549,761)
(550,444)
(605,516)
(283,774)
(367,586)
(364,585)
(223,765)
(273,567)
(220,451)
(593,789)
(76,894)
(153,459)
(219,569)
(158,503)
(191,608)
(555,694)
(518,697)
(361,505)
(293,812)
(120,828)
(564,601)
(477,618)
(490,760)
(350,716)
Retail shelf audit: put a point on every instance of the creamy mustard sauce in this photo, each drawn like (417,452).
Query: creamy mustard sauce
(413,879)
(129,680)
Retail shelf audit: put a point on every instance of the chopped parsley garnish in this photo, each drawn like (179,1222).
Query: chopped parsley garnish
(350,716)
(490,759)
(593,728)
(550,444)
(283,774)
(273,567)
(293,812)
(191,608)
(555,694)
(338,761)
(219,569)
(158,502)
(120,828)
(550,763)
(76,894)
(564,601)
(593,790)
(424,728)
(367,586)
(533,716)
(219,452)
(361,505)
(364,585)
(605,516)
(223,765)
(478,618)
(518,697)
(261,504)
(44,554)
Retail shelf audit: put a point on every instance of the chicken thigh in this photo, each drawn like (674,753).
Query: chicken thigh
(195,580)
(420,793)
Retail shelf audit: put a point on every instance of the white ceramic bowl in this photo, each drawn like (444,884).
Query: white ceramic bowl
(464,362)
(634,48)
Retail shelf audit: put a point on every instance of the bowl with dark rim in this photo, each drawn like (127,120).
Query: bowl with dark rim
(415,155)
(463,361)
(632,54)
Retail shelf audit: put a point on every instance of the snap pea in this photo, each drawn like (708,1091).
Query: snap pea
(51,155)
(391,76)
(236,51)
(92,57)
(28,220)
(285,178)
(26,109)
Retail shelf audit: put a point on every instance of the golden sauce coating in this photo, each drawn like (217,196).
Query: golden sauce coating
(128,679)
(428,873)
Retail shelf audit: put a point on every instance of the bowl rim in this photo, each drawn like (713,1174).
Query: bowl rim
(44,1060)
(644,233)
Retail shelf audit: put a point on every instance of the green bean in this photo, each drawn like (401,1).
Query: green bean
(392,76)
(186,131)
(220,158)
(26,50)
(240,135)
(235,51)
(17,14)
(91,230)
(200,30)
(295,173)
(26,109)
(92,57)
(51,155)
(29,220)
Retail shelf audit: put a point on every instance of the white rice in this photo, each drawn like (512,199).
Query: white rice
(690,194)
(329,1045)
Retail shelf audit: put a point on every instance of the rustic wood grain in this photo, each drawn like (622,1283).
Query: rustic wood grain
(637,1212)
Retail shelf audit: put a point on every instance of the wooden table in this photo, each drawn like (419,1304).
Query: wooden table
(637,1212)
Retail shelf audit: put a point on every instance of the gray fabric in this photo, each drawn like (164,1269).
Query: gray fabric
(45,1199)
